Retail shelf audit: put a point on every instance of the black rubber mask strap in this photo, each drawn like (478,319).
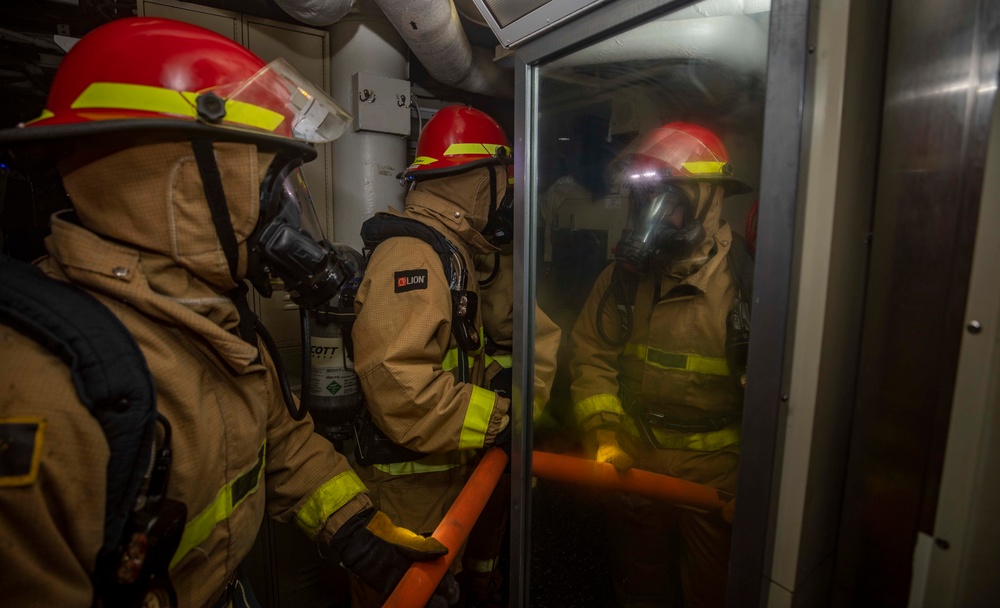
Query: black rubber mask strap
(211,180)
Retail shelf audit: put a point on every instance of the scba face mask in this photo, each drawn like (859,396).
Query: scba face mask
(288,243)
(661,222)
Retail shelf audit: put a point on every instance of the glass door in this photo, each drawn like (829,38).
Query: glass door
(645,153)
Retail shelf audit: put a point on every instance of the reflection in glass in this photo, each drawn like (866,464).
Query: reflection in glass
(647,161)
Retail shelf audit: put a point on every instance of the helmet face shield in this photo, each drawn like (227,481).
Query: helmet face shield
(288,243)
(279,88)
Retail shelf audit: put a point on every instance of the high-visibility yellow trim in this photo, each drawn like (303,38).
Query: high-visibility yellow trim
(504,361)
(200,527)
(145,98)
(715,366)
(477,418)
(467,148)
(700,442)
(705,167)
(423,160)
(450,361)
(332,495)
(45,114)
(433,463)
(596,404)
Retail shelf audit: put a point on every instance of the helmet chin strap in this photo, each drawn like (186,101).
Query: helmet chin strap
(204,154)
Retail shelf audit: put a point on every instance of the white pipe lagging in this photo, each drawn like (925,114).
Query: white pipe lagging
(433,31)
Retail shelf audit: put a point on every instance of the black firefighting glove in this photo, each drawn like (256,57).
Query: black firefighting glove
(379,553)
(502,439)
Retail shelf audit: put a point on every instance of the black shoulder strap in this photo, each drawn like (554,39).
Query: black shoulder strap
(107,367)
(382,226)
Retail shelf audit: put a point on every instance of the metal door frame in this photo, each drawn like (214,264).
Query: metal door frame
(764,405)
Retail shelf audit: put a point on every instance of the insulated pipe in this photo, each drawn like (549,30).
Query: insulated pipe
(603,476)
(319,13)
(365,163)
(420,581)
(433,31)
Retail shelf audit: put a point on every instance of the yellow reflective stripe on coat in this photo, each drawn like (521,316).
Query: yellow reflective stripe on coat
(433,463)
(450,361)
(477,418)
(467,148)
(714,441)
(230,496)
(332,495)
(504,361)
(119,96)
(715,366)
(597,404)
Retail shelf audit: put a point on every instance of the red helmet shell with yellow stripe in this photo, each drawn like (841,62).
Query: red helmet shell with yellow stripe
(685,151)
(151,74)
(457,139)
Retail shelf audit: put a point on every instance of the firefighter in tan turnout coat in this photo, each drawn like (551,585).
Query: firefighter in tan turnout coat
(419,342)
(656,384)
(171,156)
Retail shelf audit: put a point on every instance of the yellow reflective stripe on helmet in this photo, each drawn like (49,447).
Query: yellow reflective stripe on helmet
(433,463)
(423,160)
(167,101)
(597,404)
(332,495)
(230,496)
(714,441)
(705,167)
(491,149)
(477,418)
(715,366)
(45,114)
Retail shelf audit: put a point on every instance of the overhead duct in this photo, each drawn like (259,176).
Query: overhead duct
(433,31)
(320,13)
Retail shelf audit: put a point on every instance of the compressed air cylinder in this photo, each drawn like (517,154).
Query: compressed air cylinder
(334,394)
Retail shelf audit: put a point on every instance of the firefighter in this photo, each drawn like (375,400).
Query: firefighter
(418,338)
(179,150)
(659,363)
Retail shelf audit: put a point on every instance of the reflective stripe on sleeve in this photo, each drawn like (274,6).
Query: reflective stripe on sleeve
(230,496)
(714,366)
(477,418)
(596,404)
(332,495)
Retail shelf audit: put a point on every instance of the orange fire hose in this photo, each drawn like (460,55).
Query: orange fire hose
(420,581)
(603,476)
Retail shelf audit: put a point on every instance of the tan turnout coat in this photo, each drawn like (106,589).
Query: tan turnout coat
(144,245)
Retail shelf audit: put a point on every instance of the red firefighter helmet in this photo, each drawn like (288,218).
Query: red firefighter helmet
(152,74)
(455,140)
(682,151)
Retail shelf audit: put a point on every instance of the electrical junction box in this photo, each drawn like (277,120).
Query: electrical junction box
(380,104)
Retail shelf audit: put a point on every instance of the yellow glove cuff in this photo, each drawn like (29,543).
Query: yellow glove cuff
(382,527)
